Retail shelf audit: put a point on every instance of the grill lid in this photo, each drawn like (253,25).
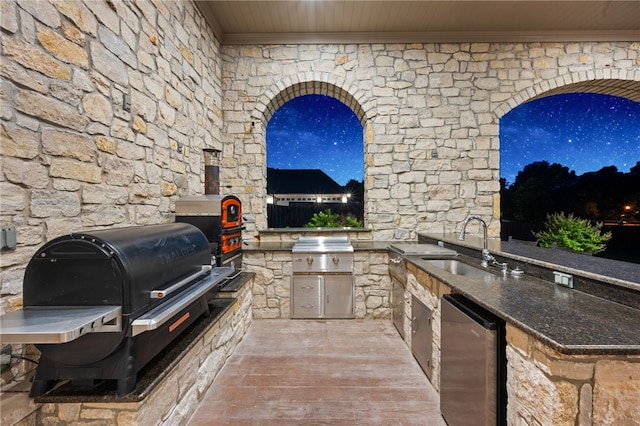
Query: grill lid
(334,244)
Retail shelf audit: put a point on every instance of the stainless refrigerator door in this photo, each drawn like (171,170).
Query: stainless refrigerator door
(468,385)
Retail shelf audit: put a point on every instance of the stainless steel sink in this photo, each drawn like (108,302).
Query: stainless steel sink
(458,268)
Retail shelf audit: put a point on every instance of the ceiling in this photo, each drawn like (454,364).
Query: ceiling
(401,21)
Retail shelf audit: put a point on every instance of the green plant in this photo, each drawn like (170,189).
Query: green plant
(327,219)
(572,233)
(353,222)
(323,219)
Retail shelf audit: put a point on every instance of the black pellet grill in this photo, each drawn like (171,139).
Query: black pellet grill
(100,305)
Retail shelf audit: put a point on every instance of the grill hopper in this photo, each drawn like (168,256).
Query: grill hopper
(148,283)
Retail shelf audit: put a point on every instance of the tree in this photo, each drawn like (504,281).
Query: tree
(541,188)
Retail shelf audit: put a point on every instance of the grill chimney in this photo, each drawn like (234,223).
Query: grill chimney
(211,171)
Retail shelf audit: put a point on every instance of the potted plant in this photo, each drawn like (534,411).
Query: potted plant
(572,233)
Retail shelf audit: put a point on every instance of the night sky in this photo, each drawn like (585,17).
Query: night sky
(316,132)
(584,132)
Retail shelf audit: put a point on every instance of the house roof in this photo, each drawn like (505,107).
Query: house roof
(262,22)
(299,181)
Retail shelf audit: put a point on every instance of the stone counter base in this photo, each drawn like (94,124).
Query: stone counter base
(171,402)
(548,388)
(273,275)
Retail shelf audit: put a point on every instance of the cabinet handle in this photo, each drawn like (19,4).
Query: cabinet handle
(414,320)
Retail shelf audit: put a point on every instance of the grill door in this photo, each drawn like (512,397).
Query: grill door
(338,296)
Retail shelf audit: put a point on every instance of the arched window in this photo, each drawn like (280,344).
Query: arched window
(315,162)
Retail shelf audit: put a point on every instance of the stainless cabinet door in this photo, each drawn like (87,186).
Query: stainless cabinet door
(421,334)
(338,296)
(397,306)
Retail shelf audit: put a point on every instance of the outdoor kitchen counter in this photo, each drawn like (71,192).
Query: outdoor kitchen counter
(569,321)
(380,246)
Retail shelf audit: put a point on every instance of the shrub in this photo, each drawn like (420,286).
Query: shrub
(327,219)
(572,233)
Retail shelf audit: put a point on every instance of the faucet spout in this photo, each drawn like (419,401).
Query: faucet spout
(486,256)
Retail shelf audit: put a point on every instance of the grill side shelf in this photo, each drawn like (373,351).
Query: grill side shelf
(158,316)
(58,324)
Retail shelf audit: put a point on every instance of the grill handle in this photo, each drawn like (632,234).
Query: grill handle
(158,316)
(159,294)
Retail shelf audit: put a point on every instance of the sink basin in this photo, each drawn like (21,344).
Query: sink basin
(458,268)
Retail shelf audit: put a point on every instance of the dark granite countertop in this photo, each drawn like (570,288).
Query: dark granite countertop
(287,246)
(569,321)
(622,274)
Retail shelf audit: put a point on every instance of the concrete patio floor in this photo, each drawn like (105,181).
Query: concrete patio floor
(320,372)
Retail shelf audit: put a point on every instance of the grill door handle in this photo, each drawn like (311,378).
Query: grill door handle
(159,294)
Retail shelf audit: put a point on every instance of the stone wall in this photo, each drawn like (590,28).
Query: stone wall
(430,115)
(106,107)
(549,388)
(272,284)
(105,110)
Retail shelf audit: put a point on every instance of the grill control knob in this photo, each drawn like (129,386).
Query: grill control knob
(336,260)
(309,260)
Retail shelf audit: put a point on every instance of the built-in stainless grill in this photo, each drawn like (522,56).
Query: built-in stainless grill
(322,284)
(100,305)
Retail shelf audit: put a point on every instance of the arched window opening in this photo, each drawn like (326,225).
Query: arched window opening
(573,153)
(315,163)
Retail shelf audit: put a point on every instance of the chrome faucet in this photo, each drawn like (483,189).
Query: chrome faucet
(486,256)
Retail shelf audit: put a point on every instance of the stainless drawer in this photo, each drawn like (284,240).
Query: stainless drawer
(306,307)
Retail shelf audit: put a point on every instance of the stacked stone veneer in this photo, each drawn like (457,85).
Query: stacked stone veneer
(430,115)
(74,155)
(548,388)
